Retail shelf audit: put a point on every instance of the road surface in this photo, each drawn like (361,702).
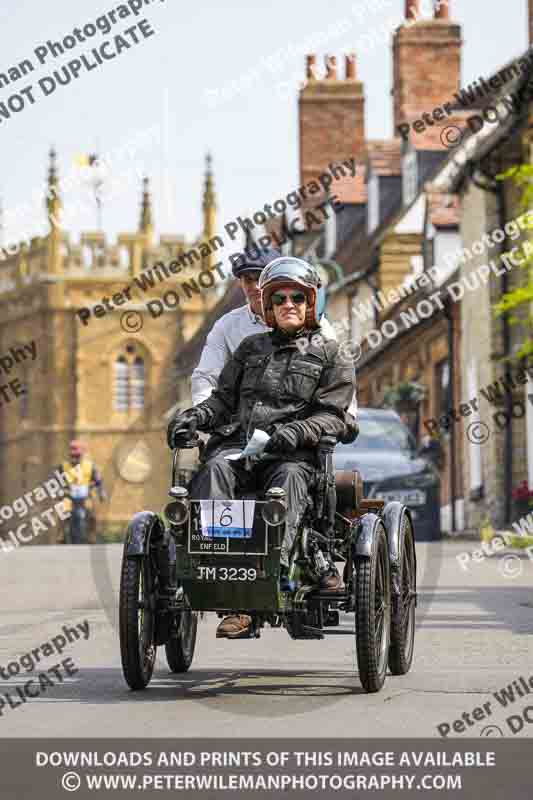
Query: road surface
(475,636)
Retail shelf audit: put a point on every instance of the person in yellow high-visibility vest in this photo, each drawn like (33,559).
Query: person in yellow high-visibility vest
(82,477)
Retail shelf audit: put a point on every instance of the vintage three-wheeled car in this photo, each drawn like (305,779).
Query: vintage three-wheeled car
(224,557)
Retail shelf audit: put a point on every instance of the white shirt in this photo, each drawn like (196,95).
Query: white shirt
(225,336)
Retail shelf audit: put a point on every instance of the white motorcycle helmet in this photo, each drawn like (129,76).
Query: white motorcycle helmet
(292,270)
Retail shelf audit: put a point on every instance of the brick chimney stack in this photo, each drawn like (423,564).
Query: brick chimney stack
(311,67)
(331,68)
(426,63)
(331,117)
(442,10)
(350,66)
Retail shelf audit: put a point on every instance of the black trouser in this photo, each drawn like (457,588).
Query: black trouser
(220,479)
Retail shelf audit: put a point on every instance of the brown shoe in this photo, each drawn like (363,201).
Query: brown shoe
(236,626)
(332,582)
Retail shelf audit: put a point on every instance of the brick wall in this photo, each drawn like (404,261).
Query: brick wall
(331,117)
(426,67)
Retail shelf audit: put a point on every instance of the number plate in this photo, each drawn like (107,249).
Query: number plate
(227,518)
(202,542)
(226,573)
(413,497)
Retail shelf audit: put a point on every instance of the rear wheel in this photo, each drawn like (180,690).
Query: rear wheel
(78,525)
(136,622)
(403,608)
(372,613)
(180,647)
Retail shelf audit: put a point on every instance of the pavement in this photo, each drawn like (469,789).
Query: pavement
(474,637)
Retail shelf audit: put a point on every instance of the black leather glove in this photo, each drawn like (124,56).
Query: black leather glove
(351,429)
(284,439)
(182,426)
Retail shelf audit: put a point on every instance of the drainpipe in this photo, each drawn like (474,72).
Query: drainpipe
(497,188)
(374,273)
(506,336)
(448,313)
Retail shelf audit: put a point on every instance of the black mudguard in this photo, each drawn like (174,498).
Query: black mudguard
(365,535)
(143,528)
(393,515)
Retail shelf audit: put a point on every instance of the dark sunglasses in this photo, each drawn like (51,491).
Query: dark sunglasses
(297,298)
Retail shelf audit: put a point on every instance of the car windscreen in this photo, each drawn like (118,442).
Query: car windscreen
(381,433)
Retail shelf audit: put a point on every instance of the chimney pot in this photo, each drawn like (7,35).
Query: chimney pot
(311,67)
(350,67)
(331,68)
(412,9)
(442,9)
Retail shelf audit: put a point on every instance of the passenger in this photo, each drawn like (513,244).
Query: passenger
(229,331)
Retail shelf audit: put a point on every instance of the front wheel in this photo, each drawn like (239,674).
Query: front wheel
(136,622)
(372,613)
(78,525)
(180,647)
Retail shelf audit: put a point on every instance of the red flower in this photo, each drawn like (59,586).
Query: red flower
(522,492)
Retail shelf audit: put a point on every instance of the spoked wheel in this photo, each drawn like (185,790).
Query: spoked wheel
(180,647)
(403,610)
(136,618)
(372,613)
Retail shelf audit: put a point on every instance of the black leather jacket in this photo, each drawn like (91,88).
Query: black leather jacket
(274,379)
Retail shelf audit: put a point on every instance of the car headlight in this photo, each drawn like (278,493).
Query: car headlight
(274,511)
(178,510)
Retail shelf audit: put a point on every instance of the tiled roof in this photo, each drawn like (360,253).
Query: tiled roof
(351,219)
(442,135)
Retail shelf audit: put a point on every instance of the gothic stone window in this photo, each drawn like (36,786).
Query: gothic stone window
(129,380)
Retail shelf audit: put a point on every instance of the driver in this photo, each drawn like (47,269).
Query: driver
(295,393)
(229,331)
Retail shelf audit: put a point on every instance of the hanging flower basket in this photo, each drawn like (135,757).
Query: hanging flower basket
(405,397)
